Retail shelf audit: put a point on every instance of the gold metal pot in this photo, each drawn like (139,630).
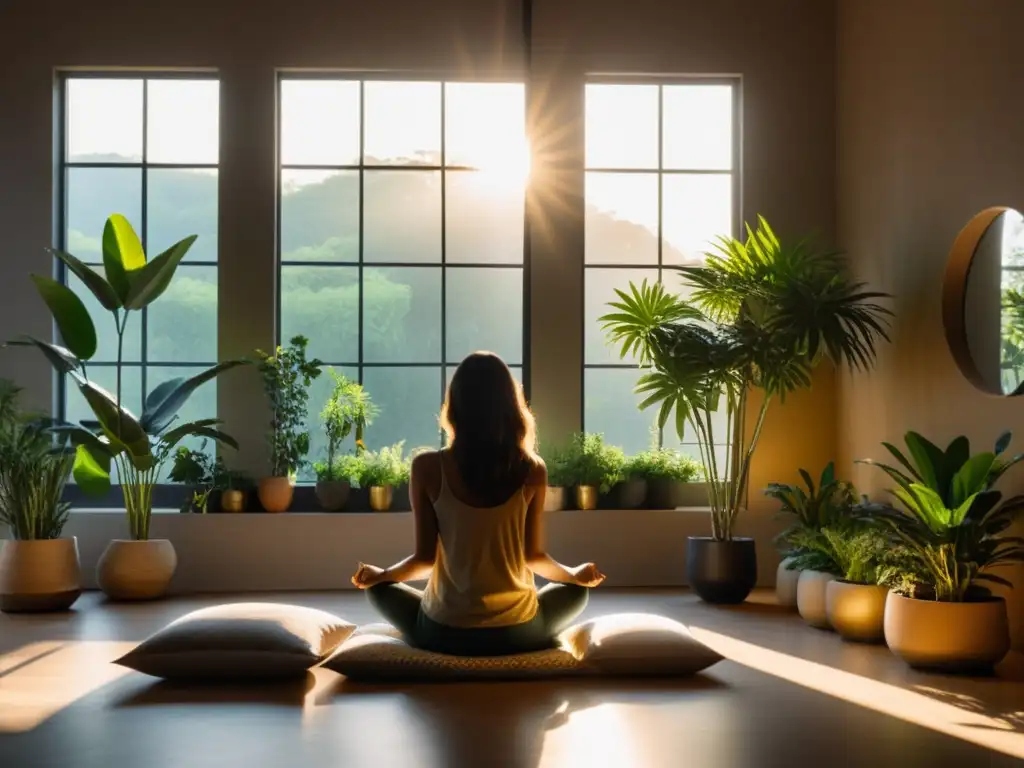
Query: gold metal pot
(586,497)
(381,497)
(856,611)
(232,501)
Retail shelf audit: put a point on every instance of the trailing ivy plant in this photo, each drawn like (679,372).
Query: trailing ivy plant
(287,376)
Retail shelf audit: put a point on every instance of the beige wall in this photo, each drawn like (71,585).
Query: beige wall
(929,134)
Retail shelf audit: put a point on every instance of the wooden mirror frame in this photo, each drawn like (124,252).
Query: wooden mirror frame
(954,294)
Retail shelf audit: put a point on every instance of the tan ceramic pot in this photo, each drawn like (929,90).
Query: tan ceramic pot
(381,497)
(785,584)
(952,637)
(232,501)
(332,494)
(856,611)
(810,597)
(39,575)
(275,493)
(136,570)
(554,499)
(586,497)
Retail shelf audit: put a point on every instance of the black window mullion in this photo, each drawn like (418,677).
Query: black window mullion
(444,251)
(144,352)
(362,211)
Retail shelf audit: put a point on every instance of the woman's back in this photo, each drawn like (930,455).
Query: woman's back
(480,576)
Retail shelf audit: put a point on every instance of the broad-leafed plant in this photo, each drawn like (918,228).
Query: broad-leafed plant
(139,445)
(951,519)
(814,506)
(760,315)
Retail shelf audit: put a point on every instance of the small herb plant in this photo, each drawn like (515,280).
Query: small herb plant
(348,409)
(345,467)
(588,460)
(556,461)
(386,467)
(287,376)
(662,464)
(864,554)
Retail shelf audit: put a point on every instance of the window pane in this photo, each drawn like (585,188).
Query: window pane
(320,216)
(485,127)
(402,216)
(599,289)
(93,194)
(319,391)
(402,315)
(610,407)
(622,218)
(319,122)
(484,218)
(182,323)
(183,121)
(622,126)
(104,120)
(719,428)
(182,203)
(106,351)
(697,127)
(484,312)
(403,123)
(410,403)
(696,210)
(105,376)
(201,405)
(322,304)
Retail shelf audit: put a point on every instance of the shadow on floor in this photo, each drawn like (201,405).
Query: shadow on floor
(164,693)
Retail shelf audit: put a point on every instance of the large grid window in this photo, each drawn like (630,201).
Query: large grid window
(401,236)
(661,185)
(147,148)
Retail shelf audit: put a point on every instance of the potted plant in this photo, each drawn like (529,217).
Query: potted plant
(558,480)
(592,466)
(287,376)
(952,522)
(204,476)
(380,472)
(39,570)
(630,492)
(667,474)
(237,486)
(814,507)
(760,315)
(349,408)
(137,446)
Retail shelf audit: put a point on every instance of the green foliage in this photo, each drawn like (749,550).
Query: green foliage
(861,552)
(662,464)
(136,446)
(33,473)
(588,460)
(205,474)
(760,314)
(287,376)
(386,467)
(348,408)
(345,467)
(817,506)
(952,519)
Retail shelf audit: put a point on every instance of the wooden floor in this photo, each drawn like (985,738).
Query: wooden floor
(787,696)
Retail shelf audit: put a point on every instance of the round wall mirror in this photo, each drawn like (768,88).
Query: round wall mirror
(983,301)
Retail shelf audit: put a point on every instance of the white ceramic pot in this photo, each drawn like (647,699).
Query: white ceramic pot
(554,499)
(39,575)
(785,584)
(811,598)
(136,570)
(951,637)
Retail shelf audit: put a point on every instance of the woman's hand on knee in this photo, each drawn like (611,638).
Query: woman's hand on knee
(367,576)
(586,575)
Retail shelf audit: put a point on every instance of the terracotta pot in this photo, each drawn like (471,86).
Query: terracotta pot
(952,637)
(721,572)
(810,597)
(381,497)
(39,575)
(586,497)
(785,584)
(233,501)
(136,570)
(554,499)
(332,494)
(856,611)
(275,493)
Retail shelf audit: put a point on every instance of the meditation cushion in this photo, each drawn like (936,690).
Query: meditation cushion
(618,645)
(240,641)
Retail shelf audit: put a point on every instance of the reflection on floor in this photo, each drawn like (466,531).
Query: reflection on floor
(788,695)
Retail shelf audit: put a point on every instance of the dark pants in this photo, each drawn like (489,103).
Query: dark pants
(558,606)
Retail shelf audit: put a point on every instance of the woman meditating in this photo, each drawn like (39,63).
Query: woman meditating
(478,507)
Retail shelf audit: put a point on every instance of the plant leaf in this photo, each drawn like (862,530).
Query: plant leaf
(92,470)
(100,288)
(197,429)
(119,424)
(157,416)
(149,282)
(63,360)
(72,318)
(122,254)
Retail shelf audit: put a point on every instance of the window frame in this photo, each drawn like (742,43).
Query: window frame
(736,171)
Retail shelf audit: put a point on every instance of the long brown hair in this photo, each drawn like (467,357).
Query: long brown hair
(491,432)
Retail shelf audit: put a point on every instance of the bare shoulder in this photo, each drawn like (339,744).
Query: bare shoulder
(538,473)
(427,464)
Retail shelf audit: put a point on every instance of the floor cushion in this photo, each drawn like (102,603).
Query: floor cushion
(617,645)
(240,641)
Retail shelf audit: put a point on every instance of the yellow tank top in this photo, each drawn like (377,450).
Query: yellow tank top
(480,577)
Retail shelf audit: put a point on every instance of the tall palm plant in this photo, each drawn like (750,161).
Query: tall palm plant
(761,314)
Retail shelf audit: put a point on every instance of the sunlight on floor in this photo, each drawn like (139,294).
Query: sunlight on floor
(600,735)
(908,705)
(39,680)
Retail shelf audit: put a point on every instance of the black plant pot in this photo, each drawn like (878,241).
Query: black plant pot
(721,572)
